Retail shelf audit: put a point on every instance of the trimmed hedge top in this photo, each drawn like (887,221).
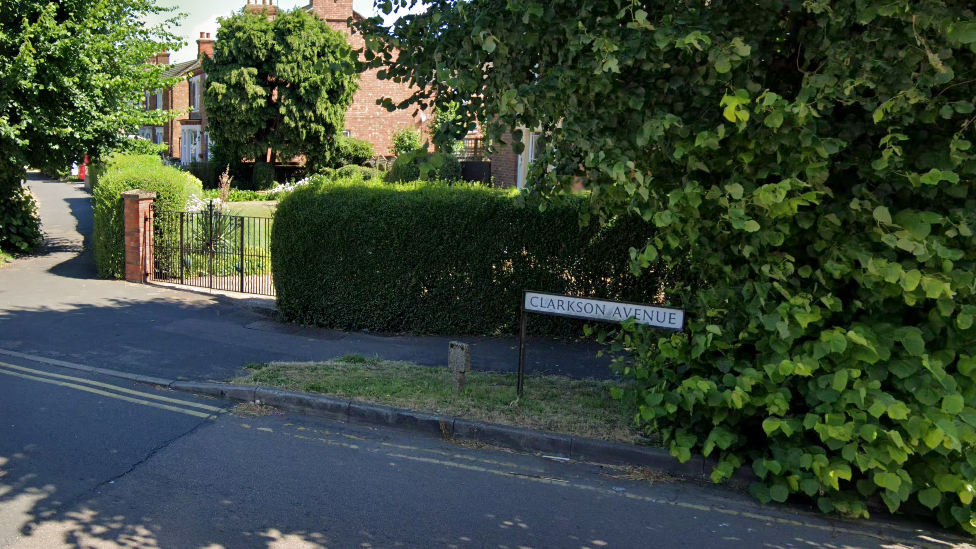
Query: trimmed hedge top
(173,189)
(428,258)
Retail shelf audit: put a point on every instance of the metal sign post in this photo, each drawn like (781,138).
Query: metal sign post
(591,309)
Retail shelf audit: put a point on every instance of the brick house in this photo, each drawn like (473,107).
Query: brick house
(509,169)
(186,136)
(364,119)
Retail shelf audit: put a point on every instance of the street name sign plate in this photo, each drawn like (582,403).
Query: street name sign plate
(592,309)
(604,311)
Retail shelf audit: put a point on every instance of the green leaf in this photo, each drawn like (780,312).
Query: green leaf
(964,321)
(898,411)
(930,497)
(735,190)
(751,226)
(723,64)
(910,280)
(882,215)
(774,119)
(953,404)
(779,493)
(890,481)
(963,32)
(840,380)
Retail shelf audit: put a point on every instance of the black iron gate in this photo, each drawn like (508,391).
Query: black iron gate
(212,249)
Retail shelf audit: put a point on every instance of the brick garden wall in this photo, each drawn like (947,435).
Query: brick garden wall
(504,163)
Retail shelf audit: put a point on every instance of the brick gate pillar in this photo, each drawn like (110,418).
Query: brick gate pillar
(138,234)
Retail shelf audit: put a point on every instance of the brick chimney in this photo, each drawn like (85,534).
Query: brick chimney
(205,46)
(266,7)
(332,10)
(161,58)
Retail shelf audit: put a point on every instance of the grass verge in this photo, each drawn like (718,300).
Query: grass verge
(551,403)
(5,258)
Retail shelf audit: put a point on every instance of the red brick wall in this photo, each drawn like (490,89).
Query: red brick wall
(332,10)
(365,119)
(176,98)
(504,163)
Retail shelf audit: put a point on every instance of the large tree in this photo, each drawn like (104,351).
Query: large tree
(72,74)
(277,89)
(809,164)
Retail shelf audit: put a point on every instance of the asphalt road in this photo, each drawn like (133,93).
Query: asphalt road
(53,304)
(95,462)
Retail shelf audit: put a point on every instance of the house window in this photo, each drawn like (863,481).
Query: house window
(159,99)
(346,133)
(196,92)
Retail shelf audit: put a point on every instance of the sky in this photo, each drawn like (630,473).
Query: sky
(202,17)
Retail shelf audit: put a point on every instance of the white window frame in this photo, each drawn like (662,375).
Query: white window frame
(196,93)
(189,145)
(159,100)
(528,156)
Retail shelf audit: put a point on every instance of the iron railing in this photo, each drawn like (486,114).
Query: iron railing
(212,249)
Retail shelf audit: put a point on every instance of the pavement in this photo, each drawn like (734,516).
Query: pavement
(52,304)
(88,462)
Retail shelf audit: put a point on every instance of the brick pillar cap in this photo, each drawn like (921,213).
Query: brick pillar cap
(139,194)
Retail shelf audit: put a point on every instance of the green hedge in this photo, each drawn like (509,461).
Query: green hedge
(354,151)
(362,172)
(118,162)
(264,176)
(207,172)
(407,168)
(172,186)
(428,258)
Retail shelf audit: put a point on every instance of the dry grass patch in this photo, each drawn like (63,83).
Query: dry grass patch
(551,403)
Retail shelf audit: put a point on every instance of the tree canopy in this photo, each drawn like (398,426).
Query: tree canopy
(809,164)
(279,88)
(72,74)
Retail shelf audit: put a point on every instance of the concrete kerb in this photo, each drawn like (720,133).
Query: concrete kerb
(447,428)
(522,440)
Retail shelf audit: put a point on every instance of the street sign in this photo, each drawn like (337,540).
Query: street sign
(592,309)
(604,311)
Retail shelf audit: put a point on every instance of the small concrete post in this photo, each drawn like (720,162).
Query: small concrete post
(459,361)
(138,234)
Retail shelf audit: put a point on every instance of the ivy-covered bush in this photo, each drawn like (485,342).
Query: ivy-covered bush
(814,162)
(409,167)
(20,226)
(353,151)
(173,188)
(406,139)
(429,258)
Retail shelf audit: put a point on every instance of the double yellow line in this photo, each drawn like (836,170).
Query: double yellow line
(89,386)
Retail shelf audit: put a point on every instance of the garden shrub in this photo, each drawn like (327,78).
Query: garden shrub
(406,139)
(362,172)
(814,160)
(173,188)
(429,258)
(207,172)
(264,176)
(20,226)
(407,167)
(353,151)
(139,146)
